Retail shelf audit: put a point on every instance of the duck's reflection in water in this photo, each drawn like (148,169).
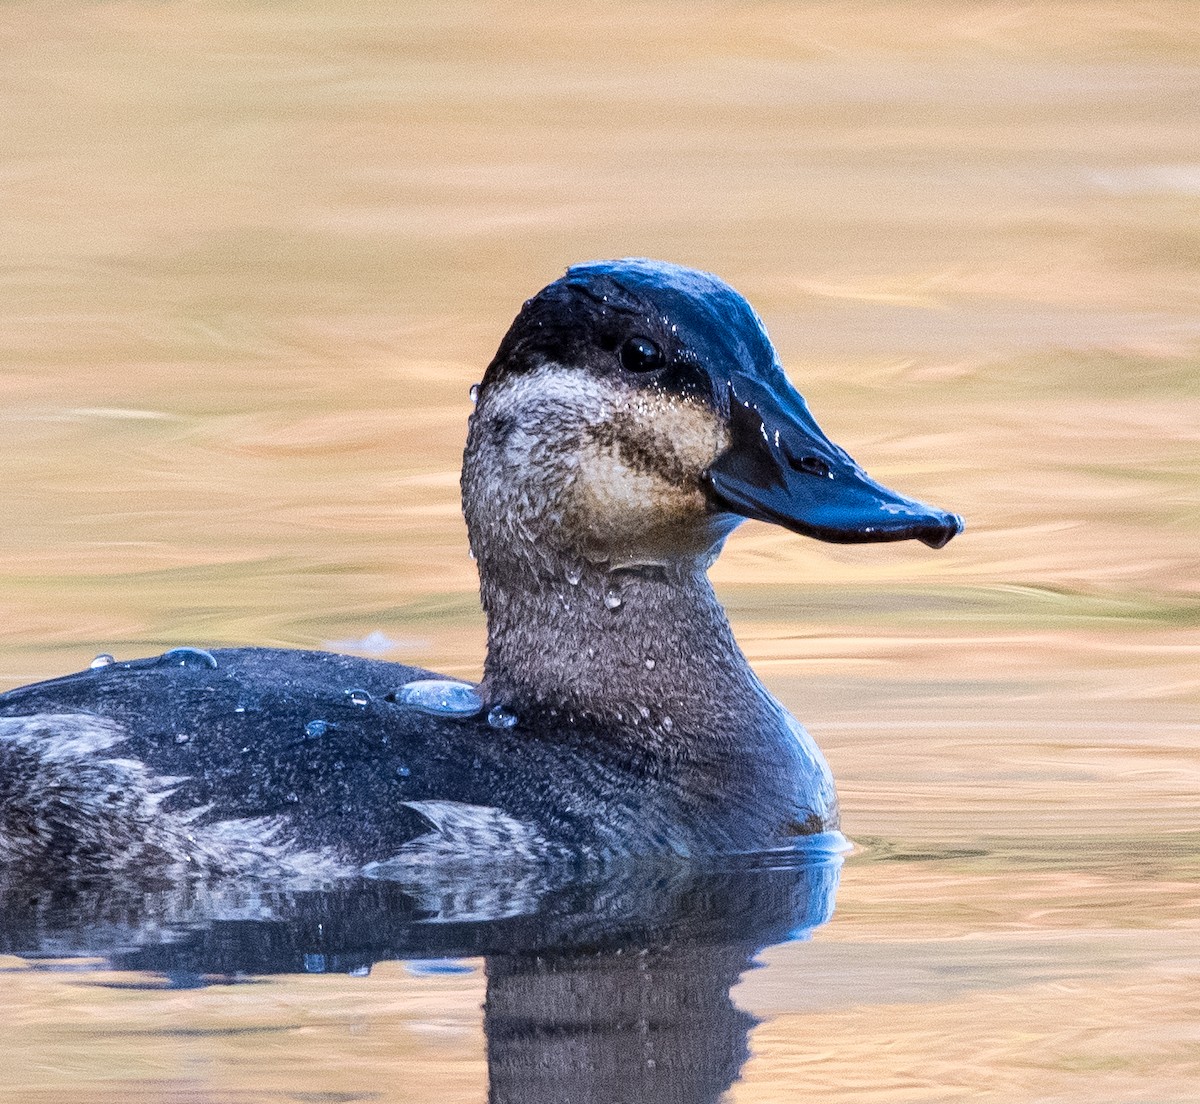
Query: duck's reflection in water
(613,988)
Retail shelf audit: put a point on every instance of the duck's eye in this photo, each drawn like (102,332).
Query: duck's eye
(640,354)
(812,465)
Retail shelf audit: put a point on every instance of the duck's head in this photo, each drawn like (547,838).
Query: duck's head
(635,413)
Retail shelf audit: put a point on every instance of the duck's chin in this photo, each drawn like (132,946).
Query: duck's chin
(694,549)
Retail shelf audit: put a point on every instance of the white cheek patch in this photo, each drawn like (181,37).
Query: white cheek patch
(608,486)
(555,405)
(652,457)
(554,391)
(613,466)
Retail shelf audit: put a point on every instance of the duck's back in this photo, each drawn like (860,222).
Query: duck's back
(254,758)
(312,764)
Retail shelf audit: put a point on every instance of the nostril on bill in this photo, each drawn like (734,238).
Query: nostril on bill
(811,465)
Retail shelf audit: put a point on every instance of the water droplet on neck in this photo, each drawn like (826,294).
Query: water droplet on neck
(188,657)
(649,665)
(667,724)
(612,598)
(574,574)
(474,393)
(403,772)
(102,660)
(358,697)
(442,697)
(499,717)
(315,729)
(182,737)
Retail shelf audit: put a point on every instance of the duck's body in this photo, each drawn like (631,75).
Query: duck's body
(265,764)
(633,414)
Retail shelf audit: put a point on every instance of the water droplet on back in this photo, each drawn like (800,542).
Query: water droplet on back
(649,665)
(612,598)
(314,729)
(474,392)
(499,717)
(358,697)
(188,657)
(182,737)
(102,660)
(442,697)
(574,574)
(403,772)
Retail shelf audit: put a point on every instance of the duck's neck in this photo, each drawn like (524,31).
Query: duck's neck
(642,646)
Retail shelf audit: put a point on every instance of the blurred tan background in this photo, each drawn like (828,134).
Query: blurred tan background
(255,254)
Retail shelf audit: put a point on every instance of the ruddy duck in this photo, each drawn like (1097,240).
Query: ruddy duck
(635,413)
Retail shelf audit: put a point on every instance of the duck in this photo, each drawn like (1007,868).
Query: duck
(635,413)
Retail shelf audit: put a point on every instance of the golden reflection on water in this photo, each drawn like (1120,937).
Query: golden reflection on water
(254,257)
(320,1039)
